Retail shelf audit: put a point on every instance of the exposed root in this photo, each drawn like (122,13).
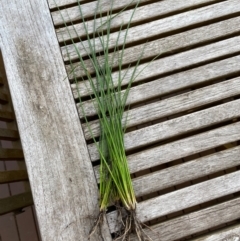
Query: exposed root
(132,225)
(97,225)
(127,219)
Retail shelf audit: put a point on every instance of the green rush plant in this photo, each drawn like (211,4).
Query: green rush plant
(109,98)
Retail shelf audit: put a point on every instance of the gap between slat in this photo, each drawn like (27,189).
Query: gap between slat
(177,104)
(142,14)
(147,30)
(167,65)
(164,46)
(182,125)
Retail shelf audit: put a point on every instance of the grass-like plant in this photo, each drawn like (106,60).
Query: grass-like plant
(109,98)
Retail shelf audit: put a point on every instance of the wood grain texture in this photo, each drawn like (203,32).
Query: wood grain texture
(195,222)
(176,82)
(61,175)
(13,176)
(62,3)
(176,104)
(175,62)
(186,172)
(179,174)
(184,147)
(144,13)
(8,135)
(165,45)
(88,9)
(179,126)
(182,125)
(11,154)
(161,26)
(231,233)
(189,196)
(16,202)
(89,108)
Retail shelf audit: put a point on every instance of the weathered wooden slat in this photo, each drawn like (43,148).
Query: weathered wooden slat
(62,3)
(7,134)
(185,172)
(88,9)
(58,164)
(176,127)
(155,9)
(6,116)
(90,109)
(184,147)
(165,45)
(195,222)
(14,203)
(174,105)
(173,83)
(231,233)
(188,171)
(188,197)
(175,62)
(181,125)
(13,176)
(11,154)
(157,27)
(3,98)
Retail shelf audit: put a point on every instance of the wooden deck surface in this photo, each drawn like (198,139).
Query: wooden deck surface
(183,129)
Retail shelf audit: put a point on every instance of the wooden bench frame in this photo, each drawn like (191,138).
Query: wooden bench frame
(61,175)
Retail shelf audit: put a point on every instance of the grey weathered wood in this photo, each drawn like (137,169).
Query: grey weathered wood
(195,222)
(7,134)
(194,169)
(165,45)
(88,9)
(175,62)
(13,176)
(89,108)
(172,83)
(155,9)
(6,116)
(62,3)
(187,171)
(231,233)
(153,28)
(184,147)
(174,105)
(11,154)
(189,196)
(177,126)
(182,125)
(3,98)
(16,202)
(63,185)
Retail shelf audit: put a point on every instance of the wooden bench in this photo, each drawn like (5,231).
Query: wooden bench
(183,126)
